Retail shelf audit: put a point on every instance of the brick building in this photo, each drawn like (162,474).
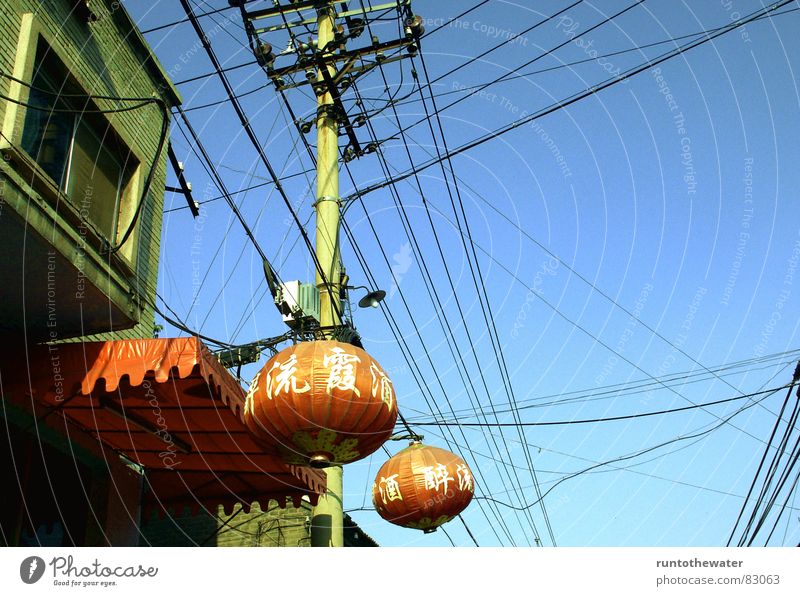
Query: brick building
(275,527)
(101,425)
(81,173)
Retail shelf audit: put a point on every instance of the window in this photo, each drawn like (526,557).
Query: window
(76,147)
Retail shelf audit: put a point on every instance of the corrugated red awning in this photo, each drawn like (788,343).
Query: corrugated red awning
(169,405)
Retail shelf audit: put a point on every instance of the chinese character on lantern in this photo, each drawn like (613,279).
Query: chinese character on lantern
(248,399)
(285,379)
(380,382)
(389,489)
(313,402)
(342,375)
(427,503)
(464,477)
(436,477)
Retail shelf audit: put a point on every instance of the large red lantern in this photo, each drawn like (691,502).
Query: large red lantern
(321,403)
(422,487)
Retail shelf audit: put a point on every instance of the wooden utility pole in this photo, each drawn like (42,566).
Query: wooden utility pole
(328,515)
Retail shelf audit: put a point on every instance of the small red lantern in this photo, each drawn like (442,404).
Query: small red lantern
(321,403)
(422,487)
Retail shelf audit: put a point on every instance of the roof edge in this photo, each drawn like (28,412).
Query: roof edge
(151,62)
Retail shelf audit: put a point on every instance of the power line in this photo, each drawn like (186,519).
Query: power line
(455,18)
(288,107)
(748,535)
(609,463)
(245,123)
(409,99)
(220,184)
(416,372)
(570,100)
(643,451)
(782,510)
(487,318)
(427,277)
(566,265)
(483,297)
(441,312)
(183,327)
(551,51)
(87,98)
(406,224)
(220,293)
(444,530)
(413,172)
(406,351)
(627,389)
(577,325)
(795,378)
(596,420)
(432,293)
(181,21)
(226,100)
(241,190)
(466,527)
(411,362)
(624,469)
(473,59)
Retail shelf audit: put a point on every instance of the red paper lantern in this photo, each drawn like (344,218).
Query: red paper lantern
(321,403)
(422,487)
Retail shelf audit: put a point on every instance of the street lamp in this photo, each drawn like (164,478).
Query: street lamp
(372,299)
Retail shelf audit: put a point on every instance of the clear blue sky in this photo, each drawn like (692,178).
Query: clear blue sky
(673,195)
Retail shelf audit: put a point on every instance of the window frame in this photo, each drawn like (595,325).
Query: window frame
(32,36)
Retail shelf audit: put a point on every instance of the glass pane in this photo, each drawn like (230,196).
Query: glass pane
(95,178)
(46,135)
(79,150)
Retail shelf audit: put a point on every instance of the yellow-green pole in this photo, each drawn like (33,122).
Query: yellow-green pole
(328,515)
